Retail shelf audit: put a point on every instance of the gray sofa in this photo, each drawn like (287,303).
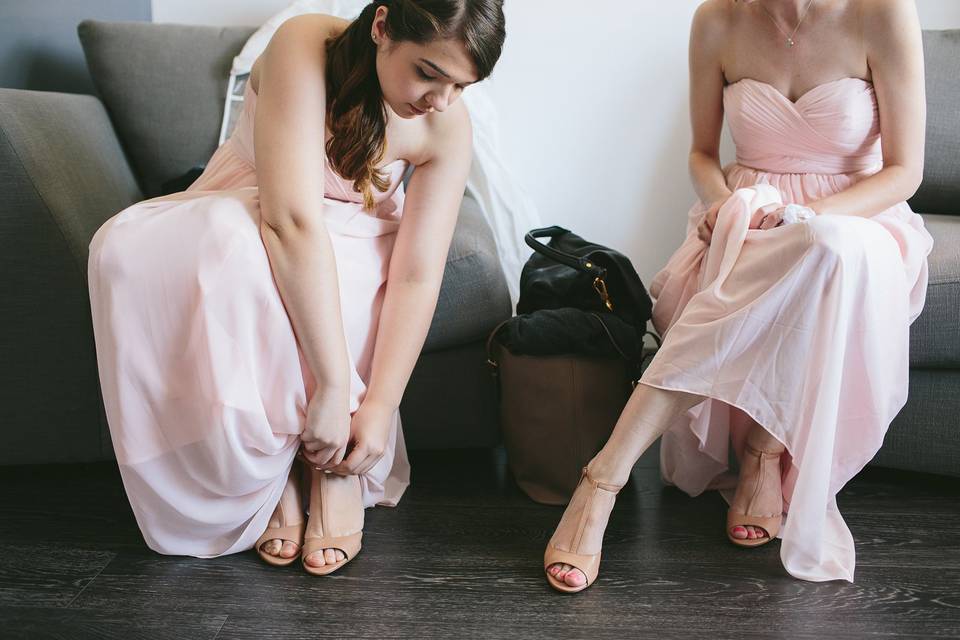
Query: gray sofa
(68,162)
(926,434)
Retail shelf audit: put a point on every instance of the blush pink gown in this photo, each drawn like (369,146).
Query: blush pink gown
(203,381)
(803,328)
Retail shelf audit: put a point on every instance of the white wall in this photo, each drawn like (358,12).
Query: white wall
(593,109)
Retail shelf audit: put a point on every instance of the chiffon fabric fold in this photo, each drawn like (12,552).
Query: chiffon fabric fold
(204,384)
(803,328)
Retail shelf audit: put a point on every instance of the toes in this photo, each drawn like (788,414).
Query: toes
(340,555)
(575,578)
(739,532)
(289,549)
(553,569)
(330,556)
(751,533)
(271,547)
(316,559)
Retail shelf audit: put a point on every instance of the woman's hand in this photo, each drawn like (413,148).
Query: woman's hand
(777,215)
(369,432)
(327,430)
(767,217)
(705,228)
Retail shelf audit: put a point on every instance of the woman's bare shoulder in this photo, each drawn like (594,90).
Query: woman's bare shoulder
(712,22)
(444,134)
(302,31)
(885,14)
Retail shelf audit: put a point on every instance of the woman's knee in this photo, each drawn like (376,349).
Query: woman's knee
(845,237)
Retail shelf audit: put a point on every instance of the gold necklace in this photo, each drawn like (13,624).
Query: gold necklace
(790,40)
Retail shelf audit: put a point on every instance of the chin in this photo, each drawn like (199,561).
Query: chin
(403,110)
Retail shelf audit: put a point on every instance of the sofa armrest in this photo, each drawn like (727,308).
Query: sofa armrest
(62,174)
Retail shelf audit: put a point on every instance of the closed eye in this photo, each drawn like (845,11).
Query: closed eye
(424,75)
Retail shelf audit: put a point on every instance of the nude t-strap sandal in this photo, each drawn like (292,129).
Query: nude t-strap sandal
(336,519)
(569,546)
(287,533)
(771,523)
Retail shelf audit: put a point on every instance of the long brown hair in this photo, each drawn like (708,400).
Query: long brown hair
(356,113)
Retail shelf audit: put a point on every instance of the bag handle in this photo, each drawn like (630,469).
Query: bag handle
(584,265)
(580,264)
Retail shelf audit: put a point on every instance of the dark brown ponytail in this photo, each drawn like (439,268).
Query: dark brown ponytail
(356,114)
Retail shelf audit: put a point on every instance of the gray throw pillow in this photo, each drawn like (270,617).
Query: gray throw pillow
(940,191)
(164,87)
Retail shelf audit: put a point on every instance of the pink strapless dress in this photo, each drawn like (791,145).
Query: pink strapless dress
(803,328)
(204,384)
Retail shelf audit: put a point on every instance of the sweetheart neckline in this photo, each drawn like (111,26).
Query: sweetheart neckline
(806,93)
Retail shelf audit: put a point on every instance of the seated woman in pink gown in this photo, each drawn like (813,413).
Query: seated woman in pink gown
(279,304)
(786,311)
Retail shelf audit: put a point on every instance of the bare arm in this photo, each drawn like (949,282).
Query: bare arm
(413,283)
(895,54)
(289,133)
(706,103)
(289,146)
(419,257)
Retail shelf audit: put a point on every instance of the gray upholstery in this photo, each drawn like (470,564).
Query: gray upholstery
(940,191)
(164,87)
(935,335)
(473,296)
(926,434)
(465,415)
(62,173)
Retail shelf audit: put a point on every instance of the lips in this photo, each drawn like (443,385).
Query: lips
(416,111)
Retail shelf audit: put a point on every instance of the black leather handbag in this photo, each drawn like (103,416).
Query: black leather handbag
(567,364)
(572,272)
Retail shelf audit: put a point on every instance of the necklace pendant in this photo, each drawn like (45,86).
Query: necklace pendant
(790,42)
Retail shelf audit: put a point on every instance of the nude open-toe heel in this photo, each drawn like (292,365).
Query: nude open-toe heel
(288,533)
(335,523)
(771,524)
(568,549)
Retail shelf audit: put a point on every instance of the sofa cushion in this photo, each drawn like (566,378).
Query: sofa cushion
(164,87)
(62,173)
(935,335)
(473,297)
(940,191)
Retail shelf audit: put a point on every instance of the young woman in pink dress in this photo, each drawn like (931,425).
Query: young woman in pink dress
(786,311)
(279,304)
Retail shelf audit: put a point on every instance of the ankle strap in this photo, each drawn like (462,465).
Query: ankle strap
(606,486)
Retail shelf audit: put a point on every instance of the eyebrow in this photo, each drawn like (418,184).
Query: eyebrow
(441,71)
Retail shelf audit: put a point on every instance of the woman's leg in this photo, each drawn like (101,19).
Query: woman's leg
(646,417)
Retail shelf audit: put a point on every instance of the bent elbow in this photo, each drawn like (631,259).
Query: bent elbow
(290,225)
(914,179)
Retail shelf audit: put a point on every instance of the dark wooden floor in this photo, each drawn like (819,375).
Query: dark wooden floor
(461,558)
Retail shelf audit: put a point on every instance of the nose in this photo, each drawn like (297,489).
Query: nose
(439,101)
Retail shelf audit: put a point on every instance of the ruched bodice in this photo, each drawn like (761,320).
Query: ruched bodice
(831,129)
